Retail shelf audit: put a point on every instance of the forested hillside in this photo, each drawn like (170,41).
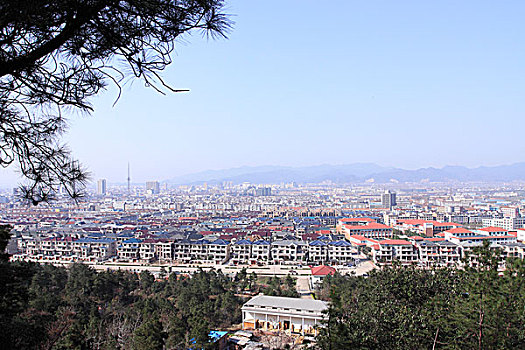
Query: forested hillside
(408,308)
(49,307)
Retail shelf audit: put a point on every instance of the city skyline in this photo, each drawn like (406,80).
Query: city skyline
(8,179)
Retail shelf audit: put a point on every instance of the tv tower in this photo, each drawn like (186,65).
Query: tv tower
(129,180)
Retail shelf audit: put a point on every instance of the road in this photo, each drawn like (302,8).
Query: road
(361,269)
(303,287)
(300,272)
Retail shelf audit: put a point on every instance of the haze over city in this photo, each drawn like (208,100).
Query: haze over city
(405,84)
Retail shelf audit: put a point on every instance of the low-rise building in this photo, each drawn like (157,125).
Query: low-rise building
(293,315)
(438,252)
(182,251)
(129,249)
(261,250)
(91,248)
(317,252)
(241,251)
(366,227)
(341,252)
(218,251)
(288,250)
(389,250)
(164,251)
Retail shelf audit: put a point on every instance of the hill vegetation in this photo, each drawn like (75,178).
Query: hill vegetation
(409,308)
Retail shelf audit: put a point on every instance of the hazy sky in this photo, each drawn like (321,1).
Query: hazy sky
(398,83)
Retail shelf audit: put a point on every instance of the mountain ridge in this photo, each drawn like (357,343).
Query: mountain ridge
(353,173)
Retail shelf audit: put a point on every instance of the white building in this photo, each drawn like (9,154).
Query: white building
(287,250)
(261,250)
(101,187)
(241,251)
(389,250)
(292,315)
(91,248)
(164,250)
(129,249)
(341,252)
(505,223)
(438,253)
(317,252)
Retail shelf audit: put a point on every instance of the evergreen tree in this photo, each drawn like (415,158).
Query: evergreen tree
(149,336)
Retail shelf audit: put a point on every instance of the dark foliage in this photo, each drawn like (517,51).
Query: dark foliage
(5,235)
(407,308)
(47,307)
(57,54)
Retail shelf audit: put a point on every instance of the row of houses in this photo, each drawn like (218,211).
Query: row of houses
(216,251)
(84,248)
(446,248)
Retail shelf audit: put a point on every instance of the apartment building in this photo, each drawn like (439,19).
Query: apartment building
(261,250)
(241,251)
(491,234)
(389,250)
(507,223)
(427,228)
(164,251)
(438,252)
(91,248)
(366,227)
(317,252)
(182,251)
(147,250)
(513,250)
(342,252)
(129,249)
(218,251)
(288,250)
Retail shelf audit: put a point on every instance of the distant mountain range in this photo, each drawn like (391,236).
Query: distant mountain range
(354,173)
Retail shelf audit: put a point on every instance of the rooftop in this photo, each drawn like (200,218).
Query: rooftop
(287,303)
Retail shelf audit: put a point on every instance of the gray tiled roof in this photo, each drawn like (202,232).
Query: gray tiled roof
(289,303)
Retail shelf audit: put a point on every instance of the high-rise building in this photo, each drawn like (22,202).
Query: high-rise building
(388,199)
(101,187)
(153,187)
(263,191)
(129,180)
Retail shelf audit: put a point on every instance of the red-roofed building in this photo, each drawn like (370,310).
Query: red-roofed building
(427,228)
(493,231)
(389,250)
(355,221)
(366,227)
(322,270)
(318,273)
(359,240)
(311,236)
(435,239)
(460,231)
(492,234)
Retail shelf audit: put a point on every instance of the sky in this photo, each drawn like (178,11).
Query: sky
(399,83)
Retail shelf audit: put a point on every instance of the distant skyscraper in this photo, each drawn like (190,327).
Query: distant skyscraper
(388,199)
(153,186)
(263,191)
(129,180)
(101,187)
